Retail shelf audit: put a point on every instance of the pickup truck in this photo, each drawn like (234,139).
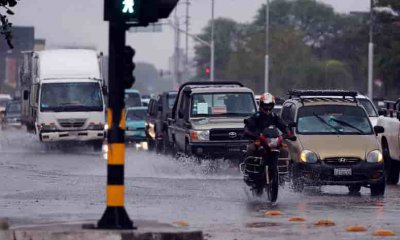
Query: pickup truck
(207,119)
(158,112)
(390,139)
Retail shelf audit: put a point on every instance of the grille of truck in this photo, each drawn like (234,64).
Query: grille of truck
(226,134)
(71,123)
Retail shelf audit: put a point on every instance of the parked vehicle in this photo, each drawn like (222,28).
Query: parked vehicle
(135,124)
(132,98)
(261,171)
(158,112)
(336,143)
(207,119)
(4,99)
(63,97)
(390,139)
(12,117)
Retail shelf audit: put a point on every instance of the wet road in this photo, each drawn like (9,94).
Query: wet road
(42,186)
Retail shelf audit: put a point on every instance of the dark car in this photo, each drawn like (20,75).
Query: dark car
(158,112)
(12,116)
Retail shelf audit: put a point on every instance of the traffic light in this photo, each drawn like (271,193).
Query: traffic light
(127,67)
(138,12)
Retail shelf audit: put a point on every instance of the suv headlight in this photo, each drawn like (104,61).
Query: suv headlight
(307,156)
(375,157)
(200,135)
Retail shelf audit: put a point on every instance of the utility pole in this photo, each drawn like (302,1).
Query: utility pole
(177,50)
(371,52)
(212,74)
(187,36)
(267,46)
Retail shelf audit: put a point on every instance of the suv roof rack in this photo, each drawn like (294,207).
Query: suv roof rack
(319,93)
(326,94)
(218,83)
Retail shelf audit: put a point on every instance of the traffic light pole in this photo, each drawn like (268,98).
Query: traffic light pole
(115,215)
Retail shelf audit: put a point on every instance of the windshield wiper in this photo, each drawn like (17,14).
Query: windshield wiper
(348,125)
(326,123)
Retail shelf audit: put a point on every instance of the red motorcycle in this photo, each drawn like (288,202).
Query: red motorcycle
(261,171)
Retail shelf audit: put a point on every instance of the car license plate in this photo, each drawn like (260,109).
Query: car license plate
(342,172)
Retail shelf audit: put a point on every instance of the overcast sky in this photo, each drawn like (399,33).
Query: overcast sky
(80,23)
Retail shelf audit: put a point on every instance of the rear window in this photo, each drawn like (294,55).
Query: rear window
(333,119)
(136,115)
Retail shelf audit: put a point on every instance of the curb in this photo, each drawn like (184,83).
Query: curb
(81,232)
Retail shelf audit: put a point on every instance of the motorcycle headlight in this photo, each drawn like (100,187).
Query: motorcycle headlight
(307,156)
(375,157)
(200,135)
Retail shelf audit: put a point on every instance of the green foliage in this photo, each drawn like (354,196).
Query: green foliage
(311,47)
(387,38)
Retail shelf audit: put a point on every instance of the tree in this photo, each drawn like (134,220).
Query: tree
(226,35)
(5,25)
(387,38)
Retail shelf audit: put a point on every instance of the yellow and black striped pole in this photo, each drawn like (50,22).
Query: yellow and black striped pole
(115,216)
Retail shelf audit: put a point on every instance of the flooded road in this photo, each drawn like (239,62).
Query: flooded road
(67,185)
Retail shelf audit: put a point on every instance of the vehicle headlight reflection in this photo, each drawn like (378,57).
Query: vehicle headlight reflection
(375,157)
(307,156)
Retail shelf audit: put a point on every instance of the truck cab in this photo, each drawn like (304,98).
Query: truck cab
(65,96)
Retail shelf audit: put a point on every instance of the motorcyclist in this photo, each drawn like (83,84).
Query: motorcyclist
(265,117)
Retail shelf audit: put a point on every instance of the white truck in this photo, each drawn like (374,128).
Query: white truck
(390,139)
(62,96)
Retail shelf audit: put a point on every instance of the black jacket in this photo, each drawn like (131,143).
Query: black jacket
(256,124)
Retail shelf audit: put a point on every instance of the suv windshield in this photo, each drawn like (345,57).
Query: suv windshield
(136,115)
(222,104)
(333,119)
(14,107)
(71,97)
(133,99)
(369,108)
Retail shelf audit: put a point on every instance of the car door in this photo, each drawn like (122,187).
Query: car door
(182,116)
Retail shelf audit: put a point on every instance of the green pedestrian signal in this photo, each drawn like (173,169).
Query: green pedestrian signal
(137,12)
(128,6)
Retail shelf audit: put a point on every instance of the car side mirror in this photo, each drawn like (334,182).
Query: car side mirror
(26,95)
(180,114)
(382,112)
(104,89)
(379,129)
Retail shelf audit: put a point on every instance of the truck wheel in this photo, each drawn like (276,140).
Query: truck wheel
(98,146)
(378,189)
(392,167)
(353,189)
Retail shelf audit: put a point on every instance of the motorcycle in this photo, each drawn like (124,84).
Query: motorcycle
(261,171)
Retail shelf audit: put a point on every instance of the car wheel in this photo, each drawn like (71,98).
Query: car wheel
(392,167)
(353,189)
(97,146)
(378,189)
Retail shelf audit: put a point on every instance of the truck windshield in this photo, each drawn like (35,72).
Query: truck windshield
(222,104)
(333,119)
(71,97)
